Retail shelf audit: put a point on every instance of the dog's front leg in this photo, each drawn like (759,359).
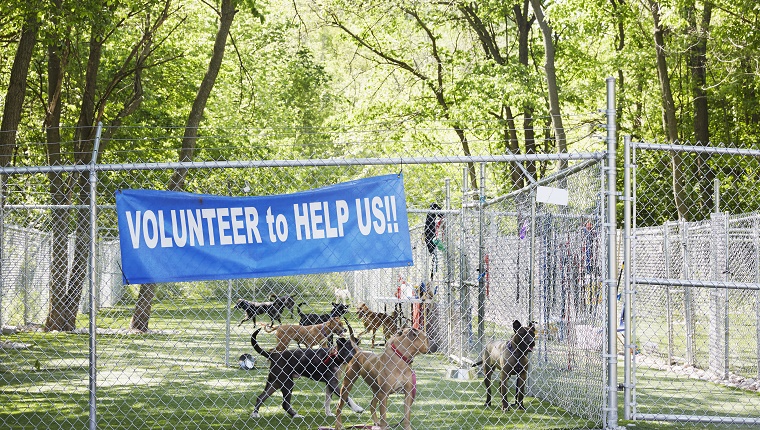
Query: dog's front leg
(383,406)
(504,390)
(373,410)
(348,382)
(406,423)
(287,394)
(520,390)
(328,399)
(355,406)
(246,319)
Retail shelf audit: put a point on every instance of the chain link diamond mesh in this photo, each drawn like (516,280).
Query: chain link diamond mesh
(176,355)
(696,283)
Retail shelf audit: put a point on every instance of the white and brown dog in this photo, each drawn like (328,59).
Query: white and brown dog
(342,295)
(320,364)
(386,373)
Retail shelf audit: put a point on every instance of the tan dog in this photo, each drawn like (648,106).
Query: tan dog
(509,358)
(386,373)
(374,320)
(313,335)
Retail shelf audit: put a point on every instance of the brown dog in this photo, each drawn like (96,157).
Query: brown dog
(511,357)
(374,320)
(313,335)
(386,373)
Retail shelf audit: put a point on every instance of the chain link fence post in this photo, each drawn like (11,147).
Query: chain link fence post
(610,275)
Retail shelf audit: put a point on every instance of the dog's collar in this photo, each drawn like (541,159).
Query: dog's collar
(408,360)
(330,356)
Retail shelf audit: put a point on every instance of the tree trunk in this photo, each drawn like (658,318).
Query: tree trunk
(697,60)
(491,51)
(64,301)
(620,22)
(141,317)
(143,308)
(551,82)
(59,264)
(524,22)
(669,112)
(14,97)
(510,137)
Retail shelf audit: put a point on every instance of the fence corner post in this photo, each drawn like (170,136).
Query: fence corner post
(93,425)
(612,414)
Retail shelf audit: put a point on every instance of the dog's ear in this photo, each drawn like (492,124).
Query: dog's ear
(516,325)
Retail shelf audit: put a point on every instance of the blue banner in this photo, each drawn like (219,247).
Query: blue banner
(174,236)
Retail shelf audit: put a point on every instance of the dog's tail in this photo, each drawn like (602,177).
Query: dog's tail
(256,346)
(351,335)
(298,307)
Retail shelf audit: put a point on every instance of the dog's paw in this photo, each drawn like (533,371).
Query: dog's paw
(330,415)
(297,416)
(255,415)
(358,410)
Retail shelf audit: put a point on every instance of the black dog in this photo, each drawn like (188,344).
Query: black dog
(511,357)
(287,303)
(338,310)
(273,309)
(321,365)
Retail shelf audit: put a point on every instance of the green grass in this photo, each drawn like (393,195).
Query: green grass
(176,378)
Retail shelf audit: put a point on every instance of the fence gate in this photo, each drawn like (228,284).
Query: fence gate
(694,284)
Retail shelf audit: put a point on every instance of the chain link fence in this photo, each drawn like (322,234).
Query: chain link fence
(695,285)
(80,348)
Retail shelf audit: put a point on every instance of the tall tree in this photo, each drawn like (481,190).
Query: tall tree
(670,121)
(16,91)
(433,79)
(67,280)
(57,52)
(141,317)
(477,18)
(524,21)
(551,80)
(698,31)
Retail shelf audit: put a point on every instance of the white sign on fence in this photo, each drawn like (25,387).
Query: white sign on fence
(555,196)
